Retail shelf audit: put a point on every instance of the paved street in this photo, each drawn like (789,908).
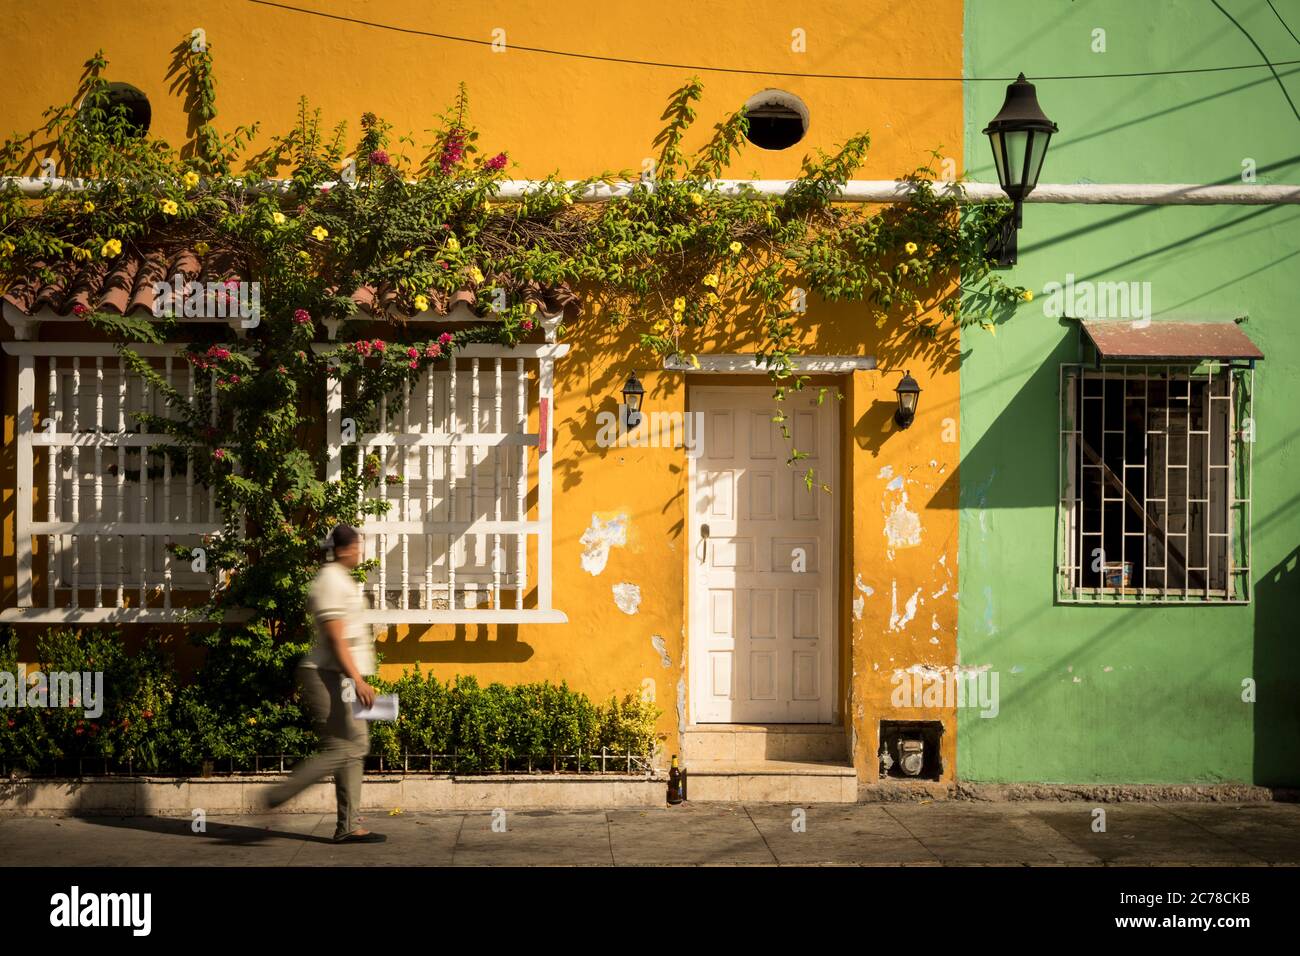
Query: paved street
(907,834)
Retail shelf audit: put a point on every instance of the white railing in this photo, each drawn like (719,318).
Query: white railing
(456,546)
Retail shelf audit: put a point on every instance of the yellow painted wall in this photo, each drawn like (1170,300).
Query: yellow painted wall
(576,116)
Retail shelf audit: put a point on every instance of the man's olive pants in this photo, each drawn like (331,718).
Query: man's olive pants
(345,741)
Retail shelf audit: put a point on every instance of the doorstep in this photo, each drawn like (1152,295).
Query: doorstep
(181,796)
(771,781)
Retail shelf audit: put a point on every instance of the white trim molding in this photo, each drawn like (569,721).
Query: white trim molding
(741,363)
(856,190)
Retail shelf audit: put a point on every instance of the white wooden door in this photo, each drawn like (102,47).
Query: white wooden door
(763,558)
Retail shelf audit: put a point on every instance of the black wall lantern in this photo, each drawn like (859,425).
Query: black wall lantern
(908,395)
(1019,135)
(633,393)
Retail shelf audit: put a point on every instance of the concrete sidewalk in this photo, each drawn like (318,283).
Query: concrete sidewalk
(901,834)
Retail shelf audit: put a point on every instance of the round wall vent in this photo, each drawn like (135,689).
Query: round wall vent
(777,119)
(123,96)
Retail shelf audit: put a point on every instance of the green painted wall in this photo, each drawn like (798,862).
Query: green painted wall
(1151,694)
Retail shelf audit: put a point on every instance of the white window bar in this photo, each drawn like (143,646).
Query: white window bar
(446,448)
(74,412)
(1179,505)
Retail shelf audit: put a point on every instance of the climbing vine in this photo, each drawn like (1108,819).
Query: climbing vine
(311,218)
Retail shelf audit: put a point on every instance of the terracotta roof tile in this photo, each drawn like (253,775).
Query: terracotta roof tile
(124,285)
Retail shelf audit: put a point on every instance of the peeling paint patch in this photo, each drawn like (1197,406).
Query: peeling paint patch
(599,538)
(941,592)
(934,640)
(886,472)
(896,621)
(934,622)
(681,704)
(866,589)
(1107,670)
(859,603)
(989,625)
(661,646)
(627,597)
(903,526)
(895,485)
(1017,669)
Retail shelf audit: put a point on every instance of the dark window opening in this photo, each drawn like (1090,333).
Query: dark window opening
(119,99)
(1153,475)
(777,120)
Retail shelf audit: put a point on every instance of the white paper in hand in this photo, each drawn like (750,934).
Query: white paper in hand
(385,708)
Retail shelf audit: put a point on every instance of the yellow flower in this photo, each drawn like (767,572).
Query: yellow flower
(476,274)
(304,255)
(568,200)
(711,280)
(82,255)
(252,720)
(279,218)
(320,233)
(452,244)
(111,248)
(712,298)
(190,179)
(487,205)
(735,247)
(532,308)
(911,248)
(421,303)
(695,361)
(406,254)
(170,207)
(679,304)
(6,247)
(696,198)
(87,207)
(201,247)
(661,325)
(902,269)
(1027,296)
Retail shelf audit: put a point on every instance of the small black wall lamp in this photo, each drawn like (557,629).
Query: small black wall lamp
(909,393)
(633,393)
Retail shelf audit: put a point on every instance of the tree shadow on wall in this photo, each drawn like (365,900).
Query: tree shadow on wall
(1276,673)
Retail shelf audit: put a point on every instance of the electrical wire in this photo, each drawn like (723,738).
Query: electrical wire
(722,69)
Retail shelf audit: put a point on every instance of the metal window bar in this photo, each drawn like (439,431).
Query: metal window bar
(86,407)
(474,550)
(1192,467)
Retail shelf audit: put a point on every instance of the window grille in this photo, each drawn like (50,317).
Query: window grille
(1155,478)
(458,458)
(111,498)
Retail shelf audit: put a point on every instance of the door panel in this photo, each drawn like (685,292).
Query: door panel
(762,570)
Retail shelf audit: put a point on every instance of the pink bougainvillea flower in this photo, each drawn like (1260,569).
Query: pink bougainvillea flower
(219,454)
(379,157)
(412,352)
(444,339)
(497,162)
(527,325)
(414,364)
(302,317)
(380,345)
(432,350)
(80,309)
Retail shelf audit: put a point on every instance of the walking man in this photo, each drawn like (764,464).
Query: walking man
(341,656)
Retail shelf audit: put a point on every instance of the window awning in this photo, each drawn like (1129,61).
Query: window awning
(1171,341)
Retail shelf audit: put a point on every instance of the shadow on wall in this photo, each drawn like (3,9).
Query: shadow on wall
(1277,675)
(469,644)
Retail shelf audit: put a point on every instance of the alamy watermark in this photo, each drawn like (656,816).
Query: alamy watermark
(943,687)
(654,430)
(1085,299)
(83,689)
(209,300)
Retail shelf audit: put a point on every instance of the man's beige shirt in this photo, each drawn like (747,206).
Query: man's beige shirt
(336,595)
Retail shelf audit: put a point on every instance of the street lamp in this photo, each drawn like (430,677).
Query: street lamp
(1019,135)
(633,393)
(909,393)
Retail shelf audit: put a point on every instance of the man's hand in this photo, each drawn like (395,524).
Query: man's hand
(365,694)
